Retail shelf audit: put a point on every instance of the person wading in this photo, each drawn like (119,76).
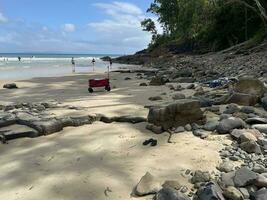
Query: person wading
(73,64)
(93,62)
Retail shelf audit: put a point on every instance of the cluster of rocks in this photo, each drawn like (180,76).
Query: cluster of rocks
(242,173)
(35,119)
(237,184)
(203,67)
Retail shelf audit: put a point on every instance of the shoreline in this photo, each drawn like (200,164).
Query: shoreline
(87,144)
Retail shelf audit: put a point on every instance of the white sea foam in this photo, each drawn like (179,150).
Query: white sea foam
(45,67)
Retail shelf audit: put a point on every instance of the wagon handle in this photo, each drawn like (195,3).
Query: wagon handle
(108,71)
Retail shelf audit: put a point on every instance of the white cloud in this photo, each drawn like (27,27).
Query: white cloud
(122,28)
(69,27)
(122,7)
(3,19)
(120,32)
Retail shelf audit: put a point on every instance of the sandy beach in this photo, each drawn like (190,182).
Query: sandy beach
(82,162)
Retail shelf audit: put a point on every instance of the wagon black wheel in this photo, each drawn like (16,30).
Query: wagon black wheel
(107,88)
(90,90)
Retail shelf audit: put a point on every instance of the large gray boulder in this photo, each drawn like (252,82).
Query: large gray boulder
(251,86)
(244,177)
(147,185)
(247,91)
(168,193)
(180,113)
(227,125)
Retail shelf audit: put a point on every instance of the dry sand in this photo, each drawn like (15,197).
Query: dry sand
(80,163)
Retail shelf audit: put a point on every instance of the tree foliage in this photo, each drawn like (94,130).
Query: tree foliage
(212,24)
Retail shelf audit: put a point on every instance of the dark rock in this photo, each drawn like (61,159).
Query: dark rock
(168,193)
(259,195)
(244,177)
(176,114)
(264,102)
(156,98)
(157,81)
(18,131)
(106,58)
(251,147)
(143,84)
(10,86)
(127,119)
(227,125)
(256,120)
(211,125)
(127,78)
(211,191)
(247,109)
(191,86)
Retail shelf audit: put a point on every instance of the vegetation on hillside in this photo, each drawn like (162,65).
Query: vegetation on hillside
(209,24)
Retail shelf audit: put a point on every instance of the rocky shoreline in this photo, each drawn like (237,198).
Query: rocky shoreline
(199,103)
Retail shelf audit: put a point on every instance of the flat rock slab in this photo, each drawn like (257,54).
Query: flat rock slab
(6,119)
(18,131)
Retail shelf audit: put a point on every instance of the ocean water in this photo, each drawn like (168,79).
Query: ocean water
(47,65)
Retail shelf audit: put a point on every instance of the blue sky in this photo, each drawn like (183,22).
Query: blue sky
(73,26)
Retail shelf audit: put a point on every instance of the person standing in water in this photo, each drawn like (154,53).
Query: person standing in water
(93,62)
(110,63)
(19,58)
(73,64)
